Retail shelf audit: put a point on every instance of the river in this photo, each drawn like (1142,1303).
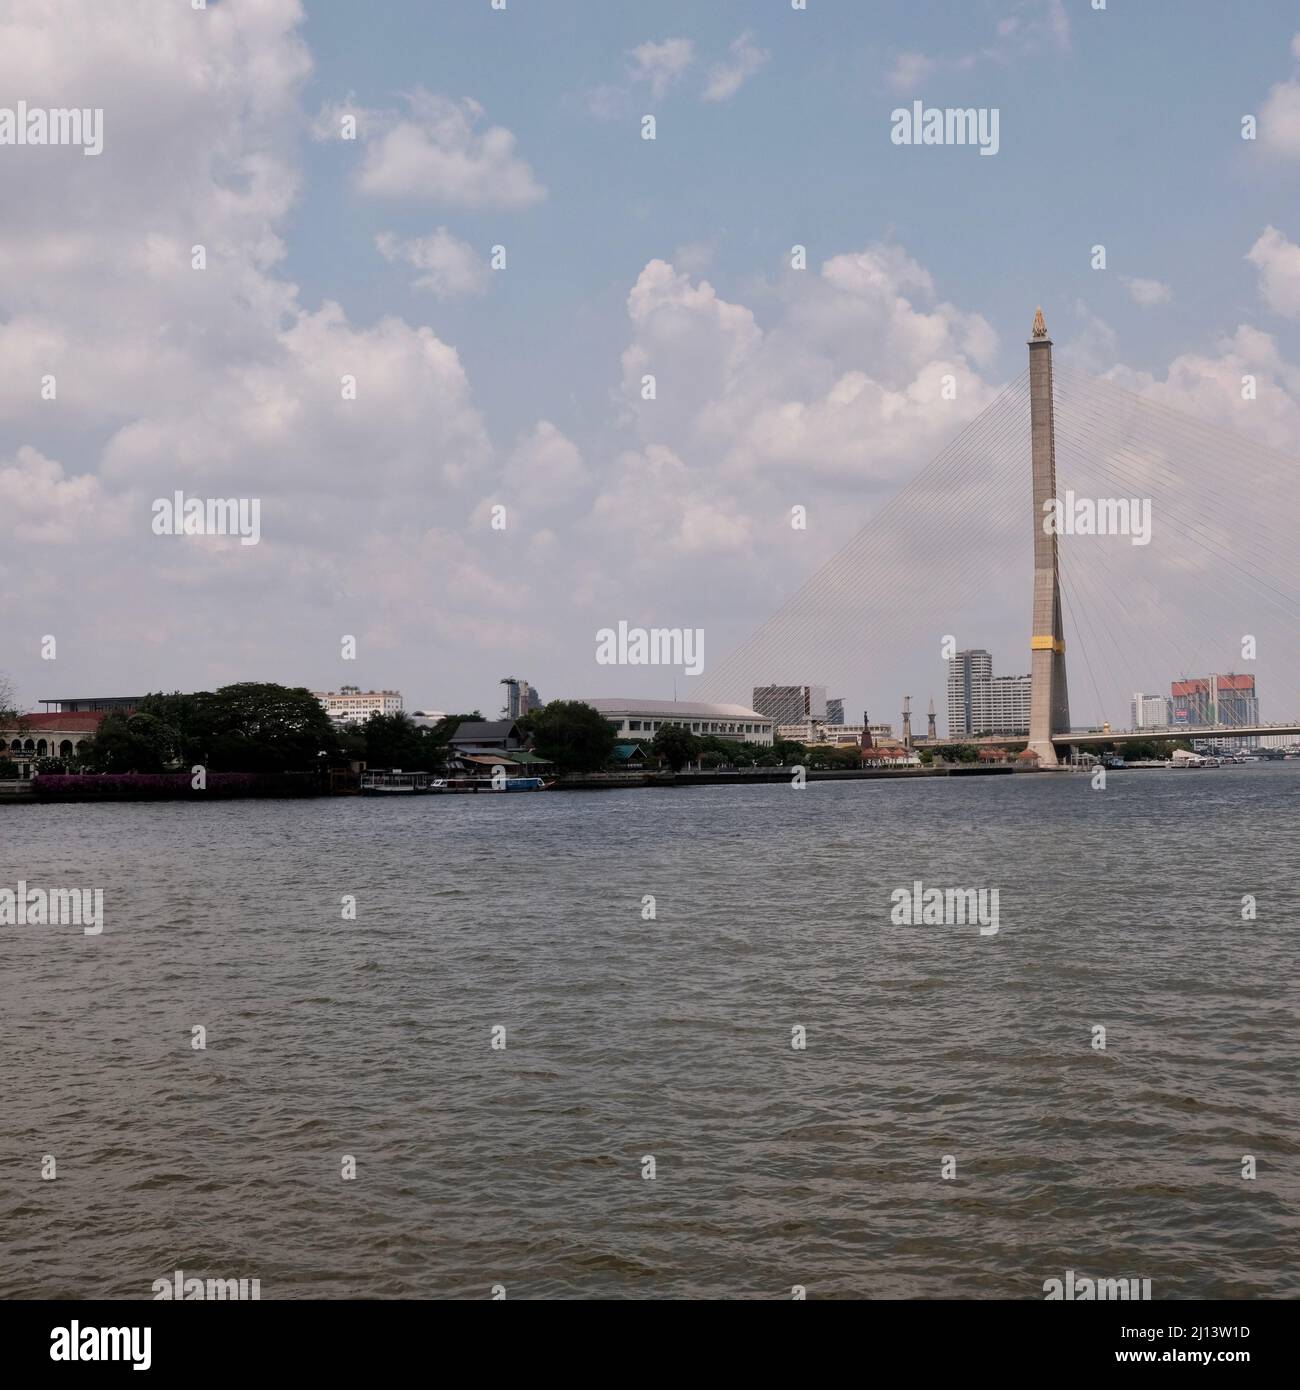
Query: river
(630,1037)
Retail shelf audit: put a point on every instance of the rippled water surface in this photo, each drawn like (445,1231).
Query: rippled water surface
(671,1038)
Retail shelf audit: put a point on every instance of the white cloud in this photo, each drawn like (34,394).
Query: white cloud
(1279,116)
(1031,27)
(844,384)
(662,65)
(727,78)
(1209,387)
(1278,261)
(448,267)
(43,506)
(219,382)
(1147,292)
(439,152)
(1279,120)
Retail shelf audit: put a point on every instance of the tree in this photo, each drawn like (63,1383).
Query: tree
(395,740)
(789,753)
(262,727)
(573,736)
(744,754)
(8,700)
(191,720)
(131,742)
(248,727)
(675,745)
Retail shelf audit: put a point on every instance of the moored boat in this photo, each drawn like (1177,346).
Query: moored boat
(395,782)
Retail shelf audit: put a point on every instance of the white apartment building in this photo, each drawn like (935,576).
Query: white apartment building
(1009,704)
(1148,711)
(980,702)
(351,705)
(970,704)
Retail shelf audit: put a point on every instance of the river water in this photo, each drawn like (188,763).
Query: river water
(628,1038)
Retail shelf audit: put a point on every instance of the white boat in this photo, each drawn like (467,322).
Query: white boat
(395,782)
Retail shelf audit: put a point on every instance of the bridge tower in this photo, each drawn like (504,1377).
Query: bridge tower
(1049,701)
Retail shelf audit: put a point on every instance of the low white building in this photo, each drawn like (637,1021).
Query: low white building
(352,705)
(642,719)
(811,731)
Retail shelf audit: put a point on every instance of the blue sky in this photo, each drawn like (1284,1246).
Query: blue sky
(522,128)
(1130,137)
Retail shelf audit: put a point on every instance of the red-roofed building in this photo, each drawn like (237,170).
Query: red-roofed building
(33,736)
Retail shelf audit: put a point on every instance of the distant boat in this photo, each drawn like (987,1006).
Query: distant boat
(486,784)
(527,784)
(395,783)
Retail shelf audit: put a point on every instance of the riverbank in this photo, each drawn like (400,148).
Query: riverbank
(233,786)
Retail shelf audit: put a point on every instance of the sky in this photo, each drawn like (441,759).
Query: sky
(519,387)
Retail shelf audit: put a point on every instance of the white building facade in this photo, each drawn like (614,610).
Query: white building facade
(1009,705)
(1148,711)
(970,707)
(634,720)
(351,705)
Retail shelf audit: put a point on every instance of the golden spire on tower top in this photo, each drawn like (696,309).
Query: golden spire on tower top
(1040,327)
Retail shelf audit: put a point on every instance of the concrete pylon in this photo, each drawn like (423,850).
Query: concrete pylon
(1049,701)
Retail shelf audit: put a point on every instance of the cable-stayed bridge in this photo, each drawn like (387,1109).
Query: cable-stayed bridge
(1153,540)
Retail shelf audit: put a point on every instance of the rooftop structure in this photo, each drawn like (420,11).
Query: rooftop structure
(79,704)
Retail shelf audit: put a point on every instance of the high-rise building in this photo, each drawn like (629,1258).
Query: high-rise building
(520,698)
(970,710)
(1148,711)
(1009,704)
(791,704)
(835,711)
(1204,700)
(980,702)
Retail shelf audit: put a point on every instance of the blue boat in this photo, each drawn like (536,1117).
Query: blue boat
(526,784)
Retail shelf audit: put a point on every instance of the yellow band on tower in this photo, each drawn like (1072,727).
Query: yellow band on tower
(1039,643)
